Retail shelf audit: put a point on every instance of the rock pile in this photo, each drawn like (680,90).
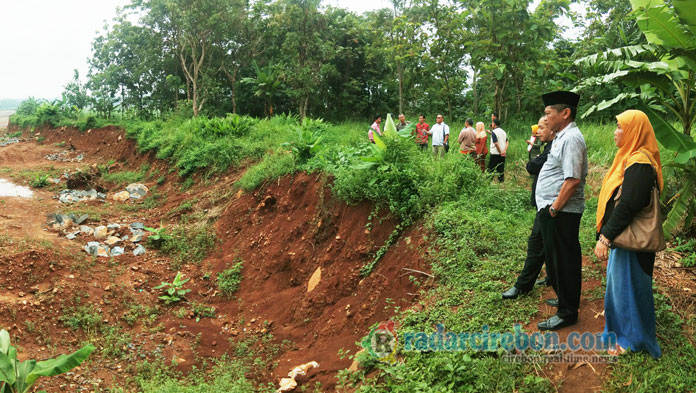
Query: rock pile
(65,156)
(72,196)
(109,240)
(133,191)
(8,141)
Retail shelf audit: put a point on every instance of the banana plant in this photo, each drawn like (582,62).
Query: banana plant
(662,75)
(19,377)
(379,148)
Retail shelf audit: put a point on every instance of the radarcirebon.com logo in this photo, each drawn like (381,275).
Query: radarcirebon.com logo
(382,342)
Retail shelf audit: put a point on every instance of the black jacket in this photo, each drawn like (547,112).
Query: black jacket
(635,195)
(534,167)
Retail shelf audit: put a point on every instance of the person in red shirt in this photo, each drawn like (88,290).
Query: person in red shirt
(421,133)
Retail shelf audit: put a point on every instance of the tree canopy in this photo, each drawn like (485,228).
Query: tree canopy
(459,57)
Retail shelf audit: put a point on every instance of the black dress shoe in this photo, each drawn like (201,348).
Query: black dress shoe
(555,323)
(543,281)
(513,293)
(552,302)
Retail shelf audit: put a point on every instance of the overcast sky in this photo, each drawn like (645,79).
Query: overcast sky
(42,41)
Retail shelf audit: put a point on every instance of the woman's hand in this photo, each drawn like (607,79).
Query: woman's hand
(601,251)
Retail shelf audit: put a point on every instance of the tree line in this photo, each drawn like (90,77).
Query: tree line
(458,57)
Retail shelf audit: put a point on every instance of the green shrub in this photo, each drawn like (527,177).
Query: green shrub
(229,279)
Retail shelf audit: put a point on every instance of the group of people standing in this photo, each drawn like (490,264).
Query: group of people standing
(472,142)
(559,174)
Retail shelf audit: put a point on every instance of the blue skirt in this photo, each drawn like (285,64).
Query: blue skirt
(629,307)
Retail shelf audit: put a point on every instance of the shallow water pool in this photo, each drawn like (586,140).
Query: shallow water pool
(8,189)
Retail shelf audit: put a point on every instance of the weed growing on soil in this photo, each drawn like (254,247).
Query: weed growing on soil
(136,312)
(223,376)
(86,317)
(229,279)
(173,292)
(200,311)
(189,244)
(123,177)
(40,181)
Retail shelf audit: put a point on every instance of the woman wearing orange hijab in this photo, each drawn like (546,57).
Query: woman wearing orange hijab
(481,146)
(629,308)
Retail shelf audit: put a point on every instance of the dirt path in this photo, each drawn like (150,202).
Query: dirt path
(578,376)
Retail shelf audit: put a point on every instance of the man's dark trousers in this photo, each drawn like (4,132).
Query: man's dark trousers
(496,164)
(535,258)
(563,259)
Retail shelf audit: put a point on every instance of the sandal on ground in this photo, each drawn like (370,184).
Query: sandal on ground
(616,351)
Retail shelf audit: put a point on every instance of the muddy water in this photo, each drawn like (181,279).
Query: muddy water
(8,189)
(5,117)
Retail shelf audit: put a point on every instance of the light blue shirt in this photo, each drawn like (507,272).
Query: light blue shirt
(567,159)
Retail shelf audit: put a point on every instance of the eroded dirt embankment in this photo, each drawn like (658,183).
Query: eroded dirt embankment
(284,233)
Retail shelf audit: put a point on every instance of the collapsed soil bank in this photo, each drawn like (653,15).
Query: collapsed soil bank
(283,233)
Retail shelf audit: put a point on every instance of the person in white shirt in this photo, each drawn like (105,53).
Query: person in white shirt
(498,150)
(440,134)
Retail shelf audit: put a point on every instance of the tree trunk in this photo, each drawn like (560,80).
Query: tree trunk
(233,83)
(400,69)
(474,92)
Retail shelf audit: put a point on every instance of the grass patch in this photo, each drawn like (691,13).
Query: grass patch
(86,317)
(222,376)
(270,168)
(123,177)
(229,279)
(188,244)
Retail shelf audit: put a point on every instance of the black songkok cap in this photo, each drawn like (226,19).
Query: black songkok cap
(561,97)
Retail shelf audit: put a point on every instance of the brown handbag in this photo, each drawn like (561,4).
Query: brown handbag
(644,233)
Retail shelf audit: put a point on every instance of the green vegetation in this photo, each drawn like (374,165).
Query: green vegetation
(287,56)
(224,376)
(228,280)
(40,181)
(86,317)
(124,177)
(19,376)
(173,292)
(189,244)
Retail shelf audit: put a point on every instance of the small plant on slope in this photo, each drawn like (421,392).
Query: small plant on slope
(173,291)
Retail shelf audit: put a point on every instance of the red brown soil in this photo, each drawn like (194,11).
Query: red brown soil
(283,233)
(577,376)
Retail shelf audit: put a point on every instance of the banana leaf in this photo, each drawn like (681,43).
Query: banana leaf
(682,144)
(661,25)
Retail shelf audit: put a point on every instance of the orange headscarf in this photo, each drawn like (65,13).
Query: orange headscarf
(638,135)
